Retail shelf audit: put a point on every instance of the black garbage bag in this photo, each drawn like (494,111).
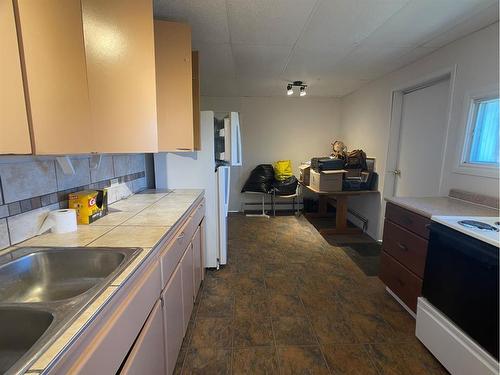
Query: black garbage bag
(286,187)
(260,179)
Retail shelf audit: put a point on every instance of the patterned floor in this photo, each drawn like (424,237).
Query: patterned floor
(290,303)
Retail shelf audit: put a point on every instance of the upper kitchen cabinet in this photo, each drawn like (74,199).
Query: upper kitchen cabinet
(119,45)
(195,57)
(89,75)
(174,86)
(14,129)
(53,53)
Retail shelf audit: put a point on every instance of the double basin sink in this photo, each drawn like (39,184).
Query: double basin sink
(42,291)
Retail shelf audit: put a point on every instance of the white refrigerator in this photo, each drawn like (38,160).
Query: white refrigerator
(197,170)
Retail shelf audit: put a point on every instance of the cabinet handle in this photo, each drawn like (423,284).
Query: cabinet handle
(400,282)
(181,236)
(183,149)
(402,247)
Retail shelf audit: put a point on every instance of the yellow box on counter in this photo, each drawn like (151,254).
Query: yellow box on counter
(90,205)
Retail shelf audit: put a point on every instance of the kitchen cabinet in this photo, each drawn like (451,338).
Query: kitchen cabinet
(89,75)
(148,353)
(195,67)
(173,318)
(197,260)
(140,329)
(174,86)
(53,56)
(119,45)
(404,251)
(13,117)
(187,268)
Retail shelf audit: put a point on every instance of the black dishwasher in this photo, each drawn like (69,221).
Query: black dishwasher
(461,280)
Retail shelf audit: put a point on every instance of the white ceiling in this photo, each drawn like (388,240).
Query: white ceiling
(254,47)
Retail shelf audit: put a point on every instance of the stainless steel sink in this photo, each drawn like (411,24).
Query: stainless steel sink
(21,328)
(54,275)
(42,290)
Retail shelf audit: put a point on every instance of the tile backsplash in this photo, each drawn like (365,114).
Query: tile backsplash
(30,187)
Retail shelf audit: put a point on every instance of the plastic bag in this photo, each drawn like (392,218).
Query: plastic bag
(283,170)
(260,179)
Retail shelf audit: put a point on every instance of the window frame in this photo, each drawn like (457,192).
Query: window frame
(464,166)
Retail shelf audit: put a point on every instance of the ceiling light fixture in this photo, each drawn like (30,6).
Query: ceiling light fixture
(302,88)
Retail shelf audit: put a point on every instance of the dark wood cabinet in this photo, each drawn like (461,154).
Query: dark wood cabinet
(404,250)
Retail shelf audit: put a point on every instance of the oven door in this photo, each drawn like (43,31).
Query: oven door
(461,280)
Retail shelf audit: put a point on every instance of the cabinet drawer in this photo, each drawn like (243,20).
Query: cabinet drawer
(409,220)
(406,285)
(406,247)
(171,256)
(198,214)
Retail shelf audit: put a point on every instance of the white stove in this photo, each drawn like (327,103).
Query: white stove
(483,228)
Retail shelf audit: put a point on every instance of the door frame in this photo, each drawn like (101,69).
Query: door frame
(396,111)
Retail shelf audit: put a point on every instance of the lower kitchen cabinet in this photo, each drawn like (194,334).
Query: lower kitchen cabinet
(187,269)
(173,318)
(148,354)
(197,260)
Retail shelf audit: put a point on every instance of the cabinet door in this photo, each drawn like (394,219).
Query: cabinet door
(195,57)
(15,137)
(56,79)
(174,86)
(197,260)
(119,45)
(148,353)
(173,318)
(187,284)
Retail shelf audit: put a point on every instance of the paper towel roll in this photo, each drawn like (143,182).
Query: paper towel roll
(60,221)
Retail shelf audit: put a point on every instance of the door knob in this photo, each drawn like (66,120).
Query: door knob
(396,172)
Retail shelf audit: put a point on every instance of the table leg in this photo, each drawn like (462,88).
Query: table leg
(341,219)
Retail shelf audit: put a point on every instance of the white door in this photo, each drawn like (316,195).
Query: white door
(422,132)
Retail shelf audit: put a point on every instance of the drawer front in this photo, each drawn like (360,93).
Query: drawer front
(198,214)
(406,285)
(171,256)
(406,247)
(415,223)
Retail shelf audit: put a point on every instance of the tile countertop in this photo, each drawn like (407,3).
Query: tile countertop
(142,220)
(443,206)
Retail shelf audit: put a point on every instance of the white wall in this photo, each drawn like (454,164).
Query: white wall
(274,128)
(365,114)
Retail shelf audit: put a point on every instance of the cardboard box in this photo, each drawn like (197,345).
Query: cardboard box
(90,205)
(327,181)
(304,174)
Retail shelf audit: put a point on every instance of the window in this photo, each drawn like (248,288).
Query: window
(482,144)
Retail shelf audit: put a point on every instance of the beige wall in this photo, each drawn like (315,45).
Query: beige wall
(274,128)
(365,114)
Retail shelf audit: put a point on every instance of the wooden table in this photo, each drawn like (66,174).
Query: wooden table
(340,198)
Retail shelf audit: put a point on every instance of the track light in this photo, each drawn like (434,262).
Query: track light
(302,88)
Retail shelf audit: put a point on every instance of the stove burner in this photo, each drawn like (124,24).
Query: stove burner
(477,225)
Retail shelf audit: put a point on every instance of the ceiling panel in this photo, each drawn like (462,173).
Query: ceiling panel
(268,22)
(343,23)
(314,62)
(219,86)
(215,59)
(420,20)
(261,87)
(259,61)
(208,19)
(485,16)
